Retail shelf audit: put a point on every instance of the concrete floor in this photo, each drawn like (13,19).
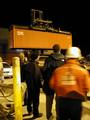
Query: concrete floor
(4,101)
(8,88)
(42,109)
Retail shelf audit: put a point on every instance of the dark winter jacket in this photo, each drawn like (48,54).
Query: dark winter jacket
(53,61)
(33,75)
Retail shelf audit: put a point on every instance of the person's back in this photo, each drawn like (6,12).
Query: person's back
(33,79)
(70,80)
(71,83)
(53,61)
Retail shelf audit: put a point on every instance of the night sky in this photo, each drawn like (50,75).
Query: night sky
(70,16)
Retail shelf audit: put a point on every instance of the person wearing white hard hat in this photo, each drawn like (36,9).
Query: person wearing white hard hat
(71,83)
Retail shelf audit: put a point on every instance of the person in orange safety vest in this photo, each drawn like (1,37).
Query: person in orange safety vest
(71,83)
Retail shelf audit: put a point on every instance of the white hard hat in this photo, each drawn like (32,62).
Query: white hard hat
(73,52)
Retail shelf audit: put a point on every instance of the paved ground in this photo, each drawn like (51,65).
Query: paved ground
(7,89)
(6,100)
(41,108)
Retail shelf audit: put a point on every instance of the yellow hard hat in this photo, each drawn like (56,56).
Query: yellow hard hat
(73,52)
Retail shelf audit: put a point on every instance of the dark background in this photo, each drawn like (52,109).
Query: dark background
(72,16)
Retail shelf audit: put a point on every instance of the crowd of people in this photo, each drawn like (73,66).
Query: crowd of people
(63,77)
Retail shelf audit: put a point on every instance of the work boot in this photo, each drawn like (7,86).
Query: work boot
(51,117)
(37,116)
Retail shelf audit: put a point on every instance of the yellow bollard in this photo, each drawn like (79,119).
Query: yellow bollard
(17,89)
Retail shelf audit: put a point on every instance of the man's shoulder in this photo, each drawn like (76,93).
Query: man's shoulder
(49,57)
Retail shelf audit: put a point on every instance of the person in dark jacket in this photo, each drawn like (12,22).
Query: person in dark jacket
(33,79)
(53,61)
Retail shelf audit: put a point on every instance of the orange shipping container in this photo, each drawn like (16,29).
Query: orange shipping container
(23,37)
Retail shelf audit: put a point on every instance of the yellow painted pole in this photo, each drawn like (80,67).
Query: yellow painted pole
(17,89)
